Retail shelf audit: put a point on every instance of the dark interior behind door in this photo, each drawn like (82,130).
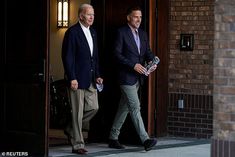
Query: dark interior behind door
(110,15)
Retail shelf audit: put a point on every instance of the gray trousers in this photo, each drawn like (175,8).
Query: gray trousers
(129,103)
(84,103)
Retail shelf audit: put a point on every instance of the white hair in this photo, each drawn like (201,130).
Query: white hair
(83,7)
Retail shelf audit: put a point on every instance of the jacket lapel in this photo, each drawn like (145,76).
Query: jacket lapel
(132,40)
(82,35)
(141,40)
(93,40)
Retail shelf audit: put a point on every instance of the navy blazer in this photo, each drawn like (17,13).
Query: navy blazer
(76,56)
(127,54)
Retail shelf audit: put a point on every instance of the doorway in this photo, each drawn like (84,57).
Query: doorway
(154,95)
(109,16)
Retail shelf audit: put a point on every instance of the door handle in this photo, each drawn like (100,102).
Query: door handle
(40,76)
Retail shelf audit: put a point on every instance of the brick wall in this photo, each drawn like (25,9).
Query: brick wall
(223,141)
(191,72)
(194,119)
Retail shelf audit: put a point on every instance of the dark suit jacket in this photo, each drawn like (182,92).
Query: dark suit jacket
(77,60)
(127,54)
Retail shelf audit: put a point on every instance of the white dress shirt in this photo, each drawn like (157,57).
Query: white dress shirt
(87,33)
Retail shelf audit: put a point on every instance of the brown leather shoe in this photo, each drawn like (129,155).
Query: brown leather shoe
(81,151)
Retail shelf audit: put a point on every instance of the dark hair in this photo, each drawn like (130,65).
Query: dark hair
(131,9)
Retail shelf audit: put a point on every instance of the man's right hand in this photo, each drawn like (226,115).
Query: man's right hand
(74,85)
(139,68)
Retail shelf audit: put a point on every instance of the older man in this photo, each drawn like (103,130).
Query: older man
(80,60)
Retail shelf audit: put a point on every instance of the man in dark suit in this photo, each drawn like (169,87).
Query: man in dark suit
(80,60)
(132,51)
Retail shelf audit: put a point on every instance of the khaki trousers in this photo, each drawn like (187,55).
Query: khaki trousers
(84,104)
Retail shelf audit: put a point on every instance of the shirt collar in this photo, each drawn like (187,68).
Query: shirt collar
(132,29)
(83,27)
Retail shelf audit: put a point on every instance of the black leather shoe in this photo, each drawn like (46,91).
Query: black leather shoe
(115,144)
(149,143)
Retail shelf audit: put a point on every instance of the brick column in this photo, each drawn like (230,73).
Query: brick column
(223,141)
